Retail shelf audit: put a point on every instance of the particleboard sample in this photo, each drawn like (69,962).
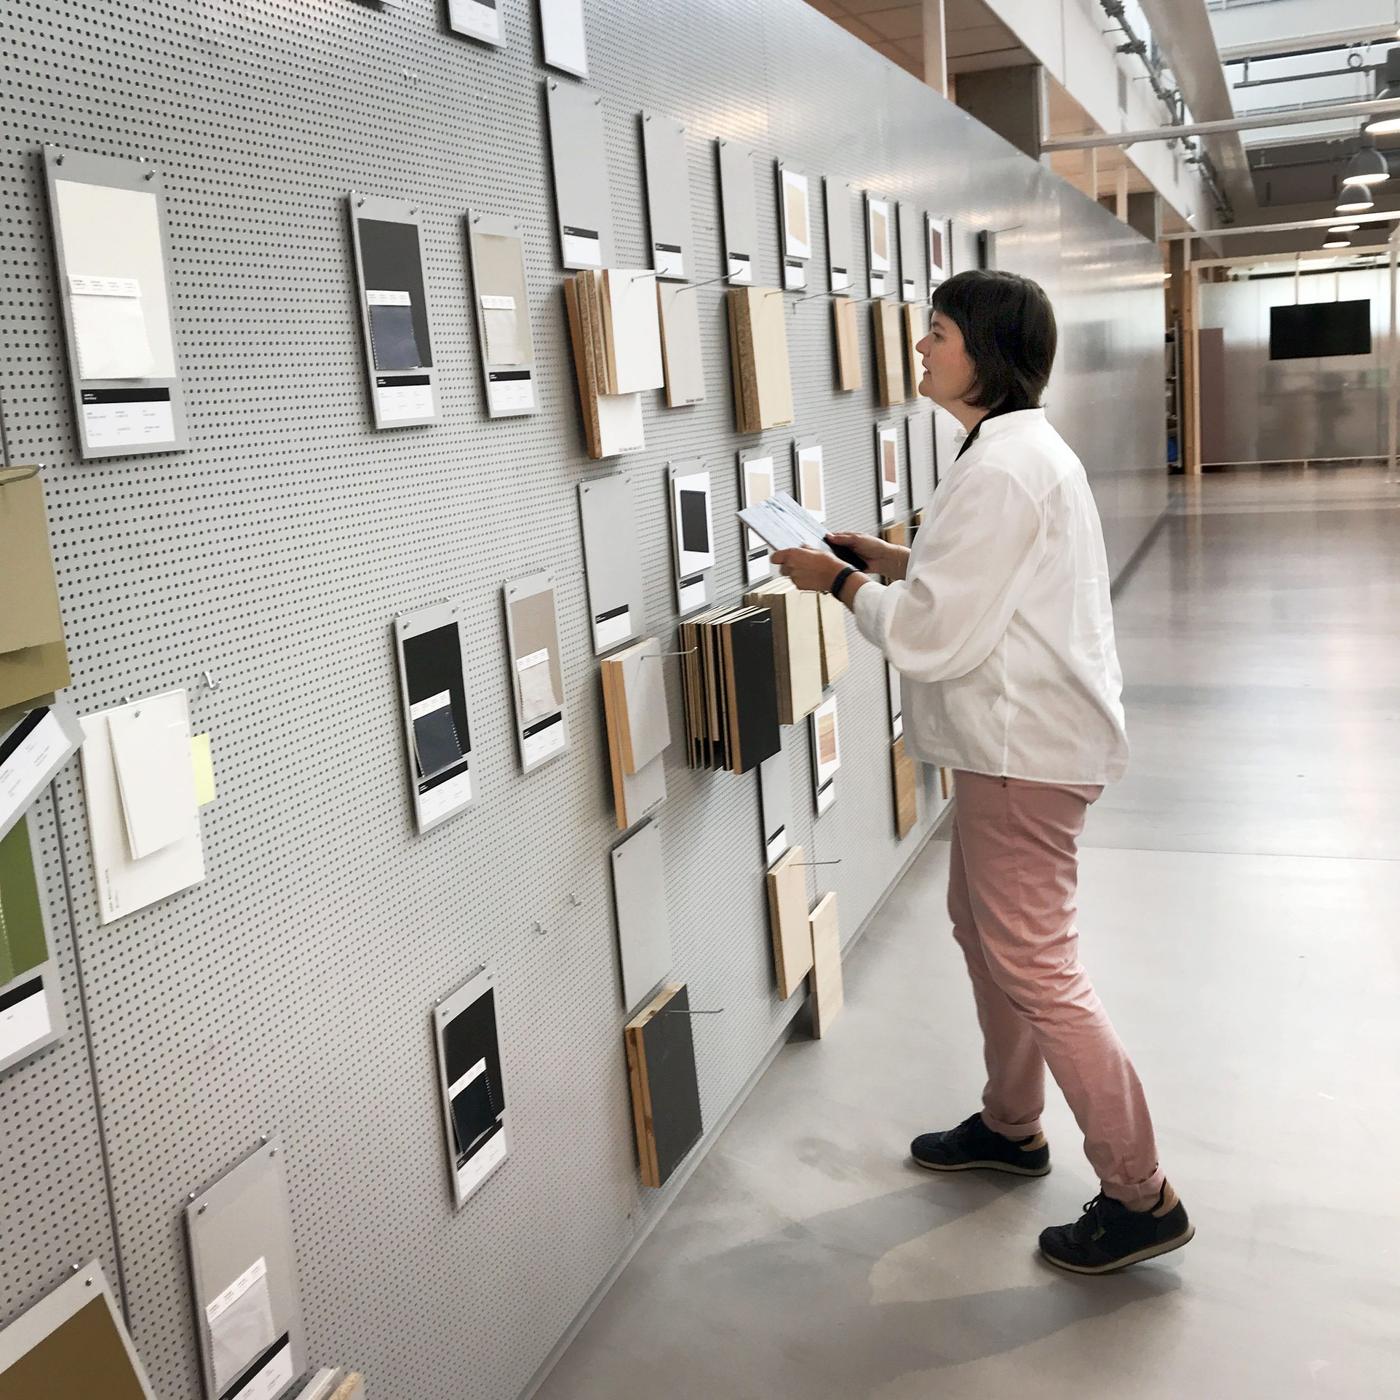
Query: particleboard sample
(906,789)
(835,653)
(787,917)
(612,423)
(889,351)
(848,370)
(828,993)
(665,1090)
(759,351)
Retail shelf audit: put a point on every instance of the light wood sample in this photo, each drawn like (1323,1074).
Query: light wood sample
(828,993)
(836,656)
(889,351)
(906,789)
(787,917)
(848,370)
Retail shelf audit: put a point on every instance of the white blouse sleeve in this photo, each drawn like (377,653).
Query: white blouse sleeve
(946,616)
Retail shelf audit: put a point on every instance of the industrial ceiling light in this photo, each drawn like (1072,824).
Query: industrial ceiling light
(1388,123)
(1355,199)
(1337,242)
(1367,167)
(1343,228)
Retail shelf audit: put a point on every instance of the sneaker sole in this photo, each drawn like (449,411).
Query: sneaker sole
(981,1166)
(1154,1252)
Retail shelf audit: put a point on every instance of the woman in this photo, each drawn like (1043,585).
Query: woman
(999,623)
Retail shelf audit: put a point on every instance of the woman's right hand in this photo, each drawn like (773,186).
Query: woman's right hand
(888,560)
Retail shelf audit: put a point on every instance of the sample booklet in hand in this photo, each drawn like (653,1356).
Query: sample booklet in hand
(780,522)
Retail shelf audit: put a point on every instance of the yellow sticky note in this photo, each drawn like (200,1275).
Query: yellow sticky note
(203,760)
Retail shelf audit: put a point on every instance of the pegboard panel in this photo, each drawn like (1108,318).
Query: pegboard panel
(290,992)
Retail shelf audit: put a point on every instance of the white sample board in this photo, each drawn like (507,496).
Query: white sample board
(643,929)
(244,1279)
(578,158)
(795,219)
(756,484)
(110,239)
(563,36)
(471,1083)
(826,753)
(430,647)
(836,198)
(910,241)
(887,470)
(536,670)
(738,210)
(940,249)
(668,196)
(810,475)
(775,806)
(132,806)
(477,19)
(632,330)
(31,754)
(692,534)
(500,303)
(879,243)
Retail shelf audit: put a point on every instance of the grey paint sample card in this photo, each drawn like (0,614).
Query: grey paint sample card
(836,195)
(738,210)
(243,1271)
(611,561)
(578,154)
(643,932)
(775,806)
(500,303)
(110,238)
(668,196)
(536,670)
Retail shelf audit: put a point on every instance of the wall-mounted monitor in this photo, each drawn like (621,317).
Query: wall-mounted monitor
(1320,328)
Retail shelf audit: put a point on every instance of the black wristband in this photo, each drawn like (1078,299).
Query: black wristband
(839,582)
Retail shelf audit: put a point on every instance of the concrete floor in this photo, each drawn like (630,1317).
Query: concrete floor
(1239,898)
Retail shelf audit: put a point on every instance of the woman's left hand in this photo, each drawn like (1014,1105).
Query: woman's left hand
(813,570)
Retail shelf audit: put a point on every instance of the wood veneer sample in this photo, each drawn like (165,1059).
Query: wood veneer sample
(915,329)
(835,652)
(680,343)
(665,1090)
(759,352)
(848,370)
(787,918)
(639,687)
(635,795)
(906,789)
(828,992)
(889,351)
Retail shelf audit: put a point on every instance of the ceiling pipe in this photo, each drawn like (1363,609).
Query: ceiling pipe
(1296,45)
(1289,117)
(1214,233)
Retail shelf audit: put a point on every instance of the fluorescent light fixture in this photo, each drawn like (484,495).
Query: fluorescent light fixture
(1337,243)
(1343,228)
(1366,167)
(1355,198)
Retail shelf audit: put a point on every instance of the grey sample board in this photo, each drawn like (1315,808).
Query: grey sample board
(536,670)
(692,534)
(477,19)
(563,36)
(431,649)
(668,196)
(31,1006)
(110,241)
(795,224)
(880,236)
(639,898)
(393,296)
(738,210)
(757,483)
(244,1282)
(611,561)
(578,156)
(471,1082)
(72,1343)
(836,199)
(909,249)
(775,805)
(501,305)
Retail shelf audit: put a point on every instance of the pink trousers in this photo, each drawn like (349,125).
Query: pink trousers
(1011,895)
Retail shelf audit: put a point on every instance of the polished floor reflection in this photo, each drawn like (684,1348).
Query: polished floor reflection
(1239,904)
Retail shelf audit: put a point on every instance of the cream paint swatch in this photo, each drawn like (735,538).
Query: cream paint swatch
(110,332)
(878,213)
(114,233)
(500,283)
(797,225)
(811,485)
(155,776)
(828,991)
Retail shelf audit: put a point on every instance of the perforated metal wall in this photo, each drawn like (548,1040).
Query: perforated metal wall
(290,991)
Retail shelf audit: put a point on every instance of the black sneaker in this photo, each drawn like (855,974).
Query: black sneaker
(973,1144)
(1109,1236)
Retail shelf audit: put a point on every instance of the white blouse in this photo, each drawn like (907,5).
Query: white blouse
(1002,629)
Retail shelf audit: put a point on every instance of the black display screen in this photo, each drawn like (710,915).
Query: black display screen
(1320,328)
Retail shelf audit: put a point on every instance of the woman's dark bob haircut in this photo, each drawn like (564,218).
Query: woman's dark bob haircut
(1008,329)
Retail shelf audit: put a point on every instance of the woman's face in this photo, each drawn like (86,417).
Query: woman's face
(949,374)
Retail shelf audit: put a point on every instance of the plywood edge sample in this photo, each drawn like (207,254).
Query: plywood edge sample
(828,990)
(787,916)
(906,789)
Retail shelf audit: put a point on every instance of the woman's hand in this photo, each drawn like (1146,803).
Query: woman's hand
(813,570)
(888,560)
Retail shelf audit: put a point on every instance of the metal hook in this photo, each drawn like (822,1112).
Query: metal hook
(637,277)
(211,680)
(692,286)
(676,1011)
(796,864)
(814,296)
(657,655)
